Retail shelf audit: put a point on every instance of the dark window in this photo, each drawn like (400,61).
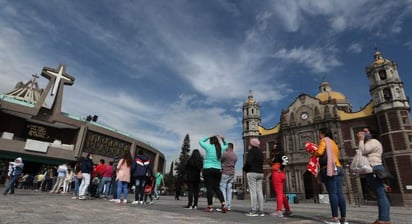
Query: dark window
(387,94)
(382,74)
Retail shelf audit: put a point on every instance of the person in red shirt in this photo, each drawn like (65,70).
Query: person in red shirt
(106,180)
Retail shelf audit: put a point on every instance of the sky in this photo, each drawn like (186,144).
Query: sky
(162,69)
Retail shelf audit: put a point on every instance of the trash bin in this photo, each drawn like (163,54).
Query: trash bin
(240,195)
(291,198)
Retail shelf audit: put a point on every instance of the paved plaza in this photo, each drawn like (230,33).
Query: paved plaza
(29,206)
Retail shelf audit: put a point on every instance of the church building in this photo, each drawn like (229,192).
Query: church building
(37,130)
(387,116)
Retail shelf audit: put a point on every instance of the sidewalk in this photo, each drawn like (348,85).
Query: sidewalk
(29,206)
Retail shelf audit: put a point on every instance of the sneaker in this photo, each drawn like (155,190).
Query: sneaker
(151,203)
(224,209)
(141,202)
(135,202)
(187,207)
(344,221)
(261,214)
(157,198)
(290,214)
(277,214)
(208,209)
(74,197)
(118,201)
(124,201)
(113,199)
(82,198)
(218,209)
(194,207)
(252,213)
(332,221)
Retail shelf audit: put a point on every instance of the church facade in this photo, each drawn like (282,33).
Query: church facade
(44,135)
(387,115)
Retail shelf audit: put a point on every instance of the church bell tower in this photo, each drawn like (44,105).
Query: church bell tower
(251,117)
(391,107)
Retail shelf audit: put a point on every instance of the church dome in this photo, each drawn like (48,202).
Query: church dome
(327,95)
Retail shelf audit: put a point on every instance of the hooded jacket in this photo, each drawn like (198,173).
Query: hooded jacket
(141,166)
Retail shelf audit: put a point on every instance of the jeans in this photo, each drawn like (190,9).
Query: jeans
(84,185)
(10,186)
(105,182)
(156,190)
(122,186)
(333,185)
(254,181)
(377,186)
(76,185)
(278,180)
(139,191)
(226,187)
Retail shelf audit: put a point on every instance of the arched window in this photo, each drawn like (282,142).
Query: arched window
(387,94)
(382,74)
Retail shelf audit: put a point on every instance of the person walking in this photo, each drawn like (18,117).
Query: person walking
(16,168)
(140,169)
(62,171)
(193,168)
(159,179)
(123,177)
(86,167)
(372,148)
(278,162)
(254,174)
(331,175)
(212,169)
(229,160)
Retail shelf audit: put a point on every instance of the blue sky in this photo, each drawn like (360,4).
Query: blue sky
(175,67)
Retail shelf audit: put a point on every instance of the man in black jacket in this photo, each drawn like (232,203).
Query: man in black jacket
(86,166)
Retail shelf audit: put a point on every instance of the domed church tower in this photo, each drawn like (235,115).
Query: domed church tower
(391,107)
(251,117)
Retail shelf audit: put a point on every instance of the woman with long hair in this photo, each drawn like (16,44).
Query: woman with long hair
(193,167)
(278,161)
(123,177)
(212,169)
(331,175)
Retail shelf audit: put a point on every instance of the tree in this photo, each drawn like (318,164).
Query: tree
(184,156)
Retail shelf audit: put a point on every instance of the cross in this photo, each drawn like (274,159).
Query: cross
(61,74)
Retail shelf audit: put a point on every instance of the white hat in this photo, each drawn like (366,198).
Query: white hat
(19,159)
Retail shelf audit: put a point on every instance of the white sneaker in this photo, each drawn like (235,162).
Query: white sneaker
(135,202)
(276,214)
(124,201)
(113,199)
(117,201)
(141,202)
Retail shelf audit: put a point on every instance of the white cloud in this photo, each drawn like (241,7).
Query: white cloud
(355,48)
(319,60)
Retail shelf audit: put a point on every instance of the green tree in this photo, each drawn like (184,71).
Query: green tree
(184,156)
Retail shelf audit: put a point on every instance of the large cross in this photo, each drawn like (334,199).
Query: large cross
(60,74)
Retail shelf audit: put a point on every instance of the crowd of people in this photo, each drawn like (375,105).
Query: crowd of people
(217,167)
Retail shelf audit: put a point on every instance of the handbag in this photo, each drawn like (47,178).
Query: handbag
(360,164)
(382,174)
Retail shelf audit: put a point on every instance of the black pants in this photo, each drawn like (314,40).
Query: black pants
(193,188)
(212,180)
(140,182)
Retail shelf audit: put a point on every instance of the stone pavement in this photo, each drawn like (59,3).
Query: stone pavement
(29,206)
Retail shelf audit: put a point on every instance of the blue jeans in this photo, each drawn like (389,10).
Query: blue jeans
(122,186)
(76,185)
(377,186)
(156,190)
(106,181)
(333,185)
(139,191)
(10,186)
(226,187)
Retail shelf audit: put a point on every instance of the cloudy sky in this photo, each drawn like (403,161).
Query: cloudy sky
(178,67)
